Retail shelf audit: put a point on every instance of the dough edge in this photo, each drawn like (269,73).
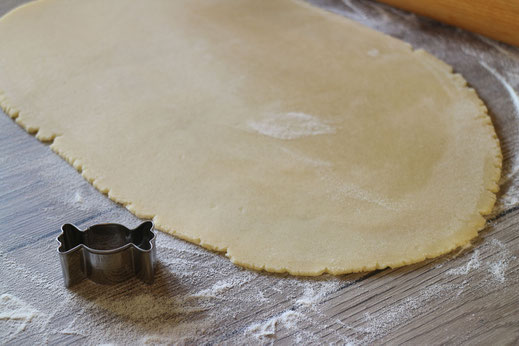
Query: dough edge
(476,224)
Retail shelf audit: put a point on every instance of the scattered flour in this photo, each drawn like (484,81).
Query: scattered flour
(224,285)
(291,125)
(341,191)
(78,199)
(376,326)
(267,329)
(199,296)
(373,52)
(14,316)
(314,292)
(497,266)
(473,263)
(143,307)
(487,275)
(497,269)
(312,161)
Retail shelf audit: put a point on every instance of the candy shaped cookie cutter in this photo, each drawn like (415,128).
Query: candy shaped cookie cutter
(107,253)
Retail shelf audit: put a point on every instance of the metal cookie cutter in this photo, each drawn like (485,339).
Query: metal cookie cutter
(107,253)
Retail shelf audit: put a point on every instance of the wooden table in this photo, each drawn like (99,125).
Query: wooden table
(200,297)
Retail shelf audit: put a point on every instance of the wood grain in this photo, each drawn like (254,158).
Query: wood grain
(498,19)
(463,299)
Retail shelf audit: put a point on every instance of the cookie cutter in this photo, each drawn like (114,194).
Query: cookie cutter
(107,253)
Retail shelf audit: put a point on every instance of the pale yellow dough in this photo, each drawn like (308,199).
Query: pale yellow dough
(290,138)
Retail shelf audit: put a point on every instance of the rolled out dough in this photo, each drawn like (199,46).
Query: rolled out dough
(290,138)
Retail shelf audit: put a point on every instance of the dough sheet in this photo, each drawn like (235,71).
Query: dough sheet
(289,138)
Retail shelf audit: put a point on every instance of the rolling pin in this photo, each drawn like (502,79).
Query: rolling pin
(498,19)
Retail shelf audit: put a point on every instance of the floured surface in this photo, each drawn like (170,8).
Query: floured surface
(309,145)
(447,300)
(201,297)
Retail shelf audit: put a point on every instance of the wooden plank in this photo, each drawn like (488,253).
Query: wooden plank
(200,297)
